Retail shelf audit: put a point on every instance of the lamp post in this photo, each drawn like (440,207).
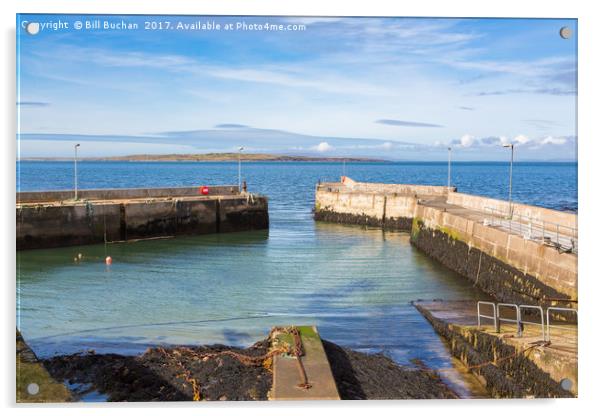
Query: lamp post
(344,167)
(240,149)
(75,169)
(511,146)
(449,167)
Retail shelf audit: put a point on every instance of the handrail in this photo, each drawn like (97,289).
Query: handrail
(517,320)
(556,308)
(572,231)
(480,315)
(565,237)
(540,309)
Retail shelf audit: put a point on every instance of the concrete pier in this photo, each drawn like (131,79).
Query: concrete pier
(508,365)
(519,253)
(55,219)
(286,377)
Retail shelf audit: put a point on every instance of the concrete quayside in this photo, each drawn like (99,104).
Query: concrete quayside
(511,357)
(55,219)
(510,262)
(524,257)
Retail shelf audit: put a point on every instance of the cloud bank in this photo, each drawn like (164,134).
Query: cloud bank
(255,140)
(402,123)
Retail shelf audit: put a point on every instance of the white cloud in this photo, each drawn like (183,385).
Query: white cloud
(542,67)
(467,140)
(323,147)
(553,140)
(292,75)
(296,78)
(521,139)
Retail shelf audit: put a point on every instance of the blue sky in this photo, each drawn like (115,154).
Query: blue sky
(396,88)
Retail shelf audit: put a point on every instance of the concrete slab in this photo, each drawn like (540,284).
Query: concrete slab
(563,336)
(34,384)
(61,223)
(286,372)
(514,227)
(558,358)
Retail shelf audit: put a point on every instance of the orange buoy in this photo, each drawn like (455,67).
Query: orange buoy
(108,260)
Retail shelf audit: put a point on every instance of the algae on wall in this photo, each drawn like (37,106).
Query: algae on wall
(495,277)
(507,372)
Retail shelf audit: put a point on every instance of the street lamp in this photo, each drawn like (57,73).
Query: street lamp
(240,149)
(511,146)
(75,169)
(448,168)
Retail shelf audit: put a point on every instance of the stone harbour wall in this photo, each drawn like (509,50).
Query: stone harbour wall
(507,266)
(515,374)
(46,225)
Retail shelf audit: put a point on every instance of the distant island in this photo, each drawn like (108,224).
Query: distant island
(213,157)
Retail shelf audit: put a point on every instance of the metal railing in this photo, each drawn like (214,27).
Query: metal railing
(519,320)
(560,236)
(523,322)
(519,329)
(558,309)
(480,315)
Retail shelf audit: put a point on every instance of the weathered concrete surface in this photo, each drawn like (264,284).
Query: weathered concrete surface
(64,223)
(30,371)
(507,365)
(242,214)
(504,264)
(389,188)
(549,216)
(42,226)
(382,205)
(399,223)
(508,267)
(126,193)
(319,375)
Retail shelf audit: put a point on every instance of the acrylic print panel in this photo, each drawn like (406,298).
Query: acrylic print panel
(273,208)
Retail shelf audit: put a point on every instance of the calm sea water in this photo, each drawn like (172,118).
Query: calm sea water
(551,185)
(355,284)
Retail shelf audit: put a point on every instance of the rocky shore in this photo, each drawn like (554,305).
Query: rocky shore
(220,372)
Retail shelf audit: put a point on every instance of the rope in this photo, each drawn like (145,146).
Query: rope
(478,270)
(104,219)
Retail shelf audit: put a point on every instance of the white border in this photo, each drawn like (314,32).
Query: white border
(590,172)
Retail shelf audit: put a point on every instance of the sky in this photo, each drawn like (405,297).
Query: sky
(392,88)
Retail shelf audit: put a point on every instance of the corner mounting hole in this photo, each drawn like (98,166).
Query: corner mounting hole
(566,384)
(33,388)
(565,32)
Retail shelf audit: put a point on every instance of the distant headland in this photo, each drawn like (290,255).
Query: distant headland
(211,157)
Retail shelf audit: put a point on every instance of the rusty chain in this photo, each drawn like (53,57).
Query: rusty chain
(296,351)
